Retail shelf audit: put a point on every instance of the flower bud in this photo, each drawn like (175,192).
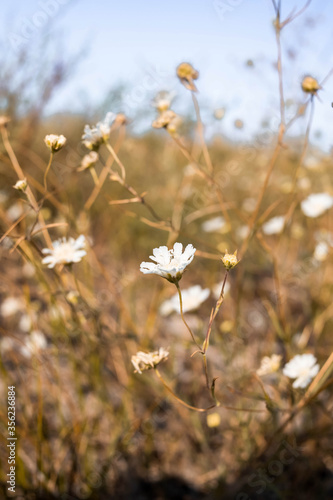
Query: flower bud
(21,185)
(55,142)
(310,85)
(230,260)
(186,74)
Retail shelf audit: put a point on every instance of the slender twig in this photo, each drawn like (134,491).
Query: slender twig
(182,315)
(47,170)
(20,174)
(180,400)
(201,133)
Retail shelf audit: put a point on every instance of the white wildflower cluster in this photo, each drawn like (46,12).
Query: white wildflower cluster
(302,367)
(166,118)
(95,136)
(170,264)
(33,344)
(163,100)
(192,298)
(147,360)
(316,204)
(65,251)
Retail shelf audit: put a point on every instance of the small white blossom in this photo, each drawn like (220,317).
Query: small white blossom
(192,298)
(162,101)
(33,344)
(94,137)
(212,225)
(21,185)
(65,251)
(15,211)
(274,225)
(170,264)
(147,360)
(6,344)
(10,306)
(303,368)
(321,251)
(269,365)
(88,161)
(316,204)
(55,142)
(25,323)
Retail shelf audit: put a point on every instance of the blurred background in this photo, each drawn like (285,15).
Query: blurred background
(88,426)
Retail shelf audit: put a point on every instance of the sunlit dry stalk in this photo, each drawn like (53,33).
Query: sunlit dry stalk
(168,388)
(277,279)
(201,134)
(21,176)
(106,170)
(292,207)
(182,315)
(47,170)
(138,197)
(209,178)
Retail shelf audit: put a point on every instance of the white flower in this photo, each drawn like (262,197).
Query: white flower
(25,323)
(10,306)
(162,101)
(324,245)
(316,204)
(212,225)
(193,297)
(170,264)
(242,232)
(6,344)
(88,160)
(21,185)
(321,251)
(274,225)
(65,251)
(94,137)
(269,364)
(33,344)
(147,360)
(55,142)
(303,368)
(15,211)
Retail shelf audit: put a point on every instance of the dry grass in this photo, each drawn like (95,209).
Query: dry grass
(87,426)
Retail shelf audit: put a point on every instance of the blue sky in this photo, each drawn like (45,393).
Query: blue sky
(141,42)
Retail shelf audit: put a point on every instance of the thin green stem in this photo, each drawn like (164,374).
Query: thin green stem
(182,315)
(178,399)
(214,313)
(47,170)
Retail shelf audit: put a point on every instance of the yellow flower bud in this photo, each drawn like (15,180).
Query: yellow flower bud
(230,260)
(310,85)
(186,74)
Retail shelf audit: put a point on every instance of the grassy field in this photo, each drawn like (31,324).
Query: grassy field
(212,420)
